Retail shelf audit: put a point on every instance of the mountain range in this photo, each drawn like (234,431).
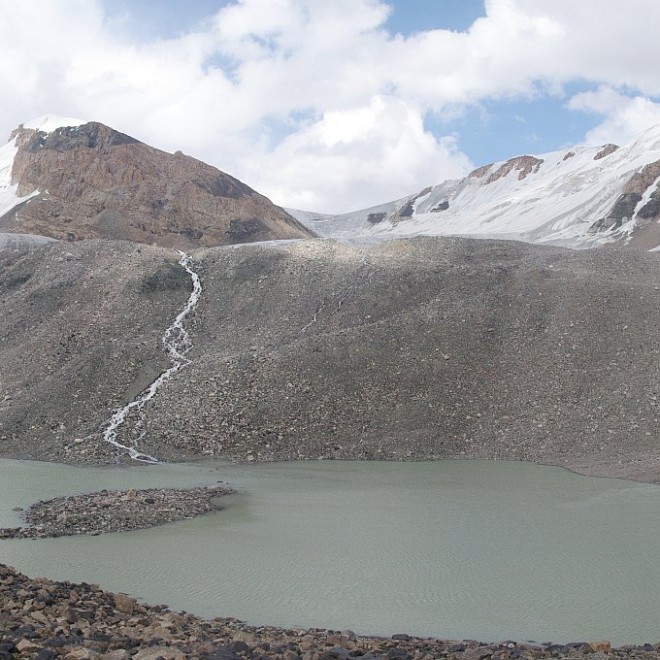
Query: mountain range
(422,347)
(68,179)
(578,197)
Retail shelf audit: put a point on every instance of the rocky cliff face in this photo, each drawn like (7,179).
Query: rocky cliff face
(91,181)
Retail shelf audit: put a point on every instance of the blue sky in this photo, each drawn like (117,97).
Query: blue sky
(493,130)
(334,105)
(418,15)
(149,18)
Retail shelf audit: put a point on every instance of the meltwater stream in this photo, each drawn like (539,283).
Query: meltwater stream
(176,342)
(453,549)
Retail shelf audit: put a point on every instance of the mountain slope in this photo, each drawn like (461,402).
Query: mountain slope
(89,181)
(580,197)
(431,347)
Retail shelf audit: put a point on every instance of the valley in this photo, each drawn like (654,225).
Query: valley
(155,310)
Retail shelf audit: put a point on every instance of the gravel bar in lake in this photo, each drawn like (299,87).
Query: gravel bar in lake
(115,511)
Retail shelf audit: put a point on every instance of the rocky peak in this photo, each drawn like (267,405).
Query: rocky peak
(91,181)
(65,138)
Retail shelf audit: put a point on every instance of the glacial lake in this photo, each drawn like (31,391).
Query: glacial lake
(454,549)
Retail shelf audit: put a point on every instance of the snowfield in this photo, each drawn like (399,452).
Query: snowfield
(550,198)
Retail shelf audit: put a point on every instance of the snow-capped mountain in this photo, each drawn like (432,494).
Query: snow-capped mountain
(579,197)
(70,179)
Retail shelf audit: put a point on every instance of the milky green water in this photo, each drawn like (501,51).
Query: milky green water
(457,549)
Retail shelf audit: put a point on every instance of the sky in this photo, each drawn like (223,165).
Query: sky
(337,105)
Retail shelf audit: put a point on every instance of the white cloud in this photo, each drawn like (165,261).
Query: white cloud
(625,116)
(314,101)
(355,158)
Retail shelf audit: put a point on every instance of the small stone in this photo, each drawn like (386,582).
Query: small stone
(117,654)
(159,652)
(125,603)
(243,636)
(601,646)
(46,654)
(26,645)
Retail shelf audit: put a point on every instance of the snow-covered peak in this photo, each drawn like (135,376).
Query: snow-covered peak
(649,139)
(579,197)
(49,123)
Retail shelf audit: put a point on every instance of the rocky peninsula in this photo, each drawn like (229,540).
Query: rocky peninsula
(115,511)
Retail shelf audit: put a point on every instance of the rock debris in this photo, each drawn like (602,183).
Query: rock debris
(115,511)
(47,620)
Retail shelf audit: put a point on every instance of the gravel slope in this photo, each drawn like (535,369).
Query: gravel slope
(424,348)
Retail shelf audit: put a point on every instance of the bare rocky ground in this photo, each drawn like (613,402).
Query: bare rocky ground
(115,511)
(427,348)
(47,620)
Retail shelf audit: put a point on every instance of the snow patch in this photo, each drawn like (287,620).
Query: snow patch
(49,123)
(9,199)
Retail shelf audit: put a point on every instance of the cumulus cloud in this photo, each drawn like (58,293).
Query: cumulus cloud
(625,117)
(364,155)
(316,103)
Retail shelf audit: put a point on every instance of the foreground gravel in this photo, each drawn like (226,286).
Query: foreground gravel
(44,619)
(115,511)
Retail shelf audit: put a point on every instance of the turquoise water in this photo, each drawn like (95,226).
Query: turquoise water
(457,549)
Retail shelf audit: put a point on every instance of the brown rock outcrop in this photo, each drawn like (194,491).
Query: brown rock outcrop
(606,151)
(523,164)
(480,171)
(94,182)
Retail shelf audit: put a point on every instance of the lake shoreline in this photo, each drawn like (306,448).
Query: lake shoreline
(289,643)
(48,619)
(642,468)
